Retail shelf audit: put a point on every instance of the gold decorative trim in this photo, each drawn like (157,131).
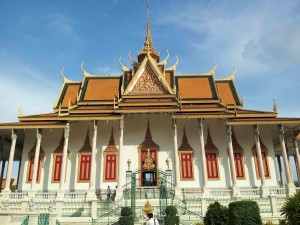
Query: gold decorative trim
(5,127)
(63,118)
(149,104)
(257,122)
(81,103)
(202,116)
(148,96)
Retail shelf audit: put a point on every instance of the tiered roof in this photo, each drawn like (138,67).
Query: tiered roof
(148,87)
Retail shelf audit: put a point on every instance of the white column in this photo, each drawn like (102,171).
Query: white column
(64,158)
(284,155)
(202,152)
(297,158)
(93,157)
(36,159)
(259,156)
(176,159)
(122,159)
(231,156)
(11,160)
(280,170)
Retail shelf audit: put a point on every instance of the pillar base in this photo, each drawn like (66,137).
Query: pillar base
(291,189)
(60,194)
(264,191)
(235,192)
(91,195)
(205,192)
(178,192)
(31,194)
(5,193)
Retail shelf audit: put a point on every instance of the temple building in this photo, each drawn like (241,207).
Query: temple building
(147,128)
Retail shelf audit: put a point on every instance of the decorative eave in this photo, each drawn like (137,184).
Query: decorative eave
(202,116)
(263,121)
(32,125)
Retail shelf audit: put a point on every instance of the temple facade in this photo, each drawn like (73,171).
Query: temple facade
(147,123)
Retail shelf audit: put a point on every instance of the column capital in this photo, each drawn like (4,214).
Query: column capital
(200,123)
(122,124)
(67,131)
(174,124)
(256,130)
(13,134)
(38,134)
(281,130)
(229,131)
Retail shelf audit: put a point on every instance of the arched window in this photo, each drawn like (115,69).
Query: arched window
(84,160)
(58,160)
(186,153)
(211,153)
(31,156)
(111,161)
(238,158)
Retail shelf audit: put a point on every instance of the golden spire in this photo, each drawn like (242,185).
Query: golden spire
(148,48)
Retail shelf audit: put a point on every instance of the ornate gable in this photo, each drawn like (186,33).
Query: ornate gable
(148,82)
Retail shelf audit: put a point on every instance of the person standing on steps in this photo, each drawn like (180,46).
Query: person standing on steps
(108,193)
(151,220)
(113,196)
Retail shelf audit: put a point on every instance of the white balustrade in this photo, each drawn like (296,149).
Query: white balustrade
(278,191)
(249,193)
(18,195)
(75,196)
(220,193)
(46,195)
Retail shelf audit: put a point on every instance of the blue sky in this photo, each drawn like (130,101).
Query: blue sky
(38,38)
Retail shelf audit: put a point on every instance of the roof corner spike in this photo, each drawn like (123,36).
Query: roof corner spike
(164,62)
(65,80)
(212,71)
(231,76)
(133,63)
(124,68)
(175,65)
(274,106)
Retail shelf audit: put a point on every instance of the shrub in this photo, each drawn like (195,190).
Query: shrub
(171,218)
(171,210)
(216,214)
(269,222)
(126,211)
(291,209)
(244,212)
(126,217)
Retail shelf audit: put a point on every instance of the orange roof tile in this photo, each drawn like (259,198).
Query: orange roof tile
(225,93)
(198,87)
(102,89)
(168,77)
(70,94)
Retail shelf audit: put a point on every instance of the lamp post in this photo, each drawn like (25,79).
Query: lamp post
(168,163)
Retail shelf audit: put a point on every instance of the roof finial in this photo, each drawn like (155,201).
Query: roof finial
(274,106)
(148,24)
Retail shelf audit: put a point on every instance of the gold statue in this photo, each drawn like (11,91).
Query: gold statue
(148,163)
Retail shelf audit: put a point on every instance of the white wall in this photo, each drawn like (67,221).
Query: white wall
(134,134)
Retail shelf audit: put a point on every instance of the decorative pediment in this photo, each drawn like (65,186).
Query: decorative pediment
(209,146)
(148,143)
(87,144)
(185,146)
(111,147)
(148,79)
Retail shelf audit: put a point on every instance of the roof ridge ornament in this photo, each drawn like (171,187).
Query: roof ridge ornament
(85,74)
(164,62)
(20,111)
(133,63)
(124,68)
(231,76)
(175,65)
(65,80)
